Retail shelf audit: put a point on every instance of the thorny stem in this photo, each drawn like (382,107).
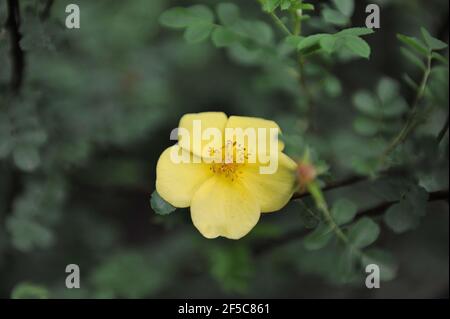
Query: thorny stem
(277,21)
(266,247)
(412,120)
(305,89)
(350,181)
(321,204)
(280,23)
(301,68)
(301,62)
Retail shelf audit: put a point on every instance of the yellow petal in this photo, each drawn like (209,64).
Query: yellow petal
(224,208)
(195,143)
(177,183)
(273,191)
(244,122)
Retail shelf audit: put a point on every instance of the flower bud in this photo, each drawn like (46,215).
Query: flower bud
(306,173)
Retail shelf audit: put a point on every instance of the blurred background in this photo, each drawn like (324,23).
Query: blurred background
(82,129)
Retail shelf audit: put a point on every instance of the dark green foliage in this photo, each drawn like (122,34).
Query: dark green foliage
(81,136)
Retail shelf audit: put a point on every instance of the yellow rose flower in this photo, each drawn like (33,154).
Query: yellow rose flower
(226,199)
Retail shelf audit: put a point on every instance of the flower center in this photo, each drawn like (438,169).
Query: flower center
(228,170)
(231,163)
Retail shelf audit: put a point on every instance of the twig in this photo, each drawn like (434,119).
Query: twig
(411,123)
(267,246)
(304,86)
(374,211)
(346,182)
(17,55)
(280,23)
(301,72)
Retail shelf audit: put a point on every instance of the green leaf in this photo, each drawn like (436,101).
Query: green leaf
(270,5)
(310,41)
(183,17)
(27,234)
(399,219)
(432,43)
(346,7)
(418,198)
(395,108)
(258,31)
(406,214)
(223,37)
(307,7)
(343,211)
(413,85)
(26,157)
(293,40)
(387,89)
(285,4)
(334,17)
(245,55)
(175,18)
(309,214)
(357,45)
(332,86)
(328,43)
(201,13)
(228,13)
(198,32)
(384,260)
(232,267)
(346,266)
(304,17)
(318,238)
(159,205)
(413,58)
(365,166)
(356,31)
(365,102)
(413,43)
(27,290)
(363,233)
(440,58)
(365,126)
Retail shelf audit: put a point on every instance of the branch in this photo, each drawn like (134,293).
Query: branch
(301,72)
(395,171)
(17,55)
(346,182)
(267,246)
(376,210)
(304,86)
(411,122)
